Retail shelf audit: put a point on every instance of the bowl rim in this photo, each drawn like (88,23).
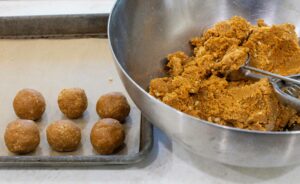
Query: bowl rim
(228,128)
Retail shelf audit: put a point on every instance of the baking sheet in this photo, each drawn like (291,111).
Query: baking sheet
(54,26)
(51,65)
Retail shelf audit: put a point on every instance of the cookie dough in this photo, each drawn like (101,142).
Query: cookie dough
(72,102)
(29,104)
(107,135)
(209,85)
(63,136)
(22,136)
(113,105)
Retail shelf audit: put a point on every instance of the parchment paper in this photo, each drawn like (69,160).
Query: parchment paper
(51,65)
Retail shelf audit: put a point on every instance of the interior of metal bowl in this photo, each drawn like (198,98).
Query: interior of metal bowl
(144,32)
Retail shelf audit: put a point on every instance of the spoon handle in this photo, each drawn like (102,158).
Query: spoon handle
(270,74)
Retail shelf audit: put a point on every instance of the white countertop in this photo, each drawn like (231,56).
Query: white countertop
(167,163)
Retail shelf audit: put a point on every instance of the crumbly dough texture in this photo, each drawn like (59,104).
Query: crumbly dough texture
(107,135)
(72,102)
(63,135)
(22,136)
(29,104)
(113,105)
(209,85)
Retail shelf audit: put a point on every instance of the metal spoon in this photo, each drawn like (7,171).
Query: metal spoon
(286,88)
(268,74)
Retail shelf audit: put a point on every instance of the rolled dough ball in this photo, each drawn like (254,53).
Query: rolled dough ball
(72,102)
(63,135)
(22,136)
(107,135)
(113,105)
(29,104)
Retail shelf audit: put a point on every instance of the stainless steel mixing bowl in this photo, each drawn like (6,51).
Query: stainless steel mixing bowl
(143,32)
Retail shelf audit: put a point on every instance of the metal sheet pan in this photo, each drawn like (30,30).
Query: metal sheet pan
(66,27)
(56,26)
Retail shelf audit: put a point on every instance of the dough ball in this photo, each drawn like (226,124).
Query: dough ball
(113,105)
(107,135)
(72,102)
(29,104)
(22,136)
(63,135)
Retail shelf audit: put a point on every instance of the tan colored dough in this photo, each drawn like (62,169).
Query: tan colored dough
(113,105)
(22,136)
(209,85)
(107,135)
(63,135)
(72,102)
(29,104)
